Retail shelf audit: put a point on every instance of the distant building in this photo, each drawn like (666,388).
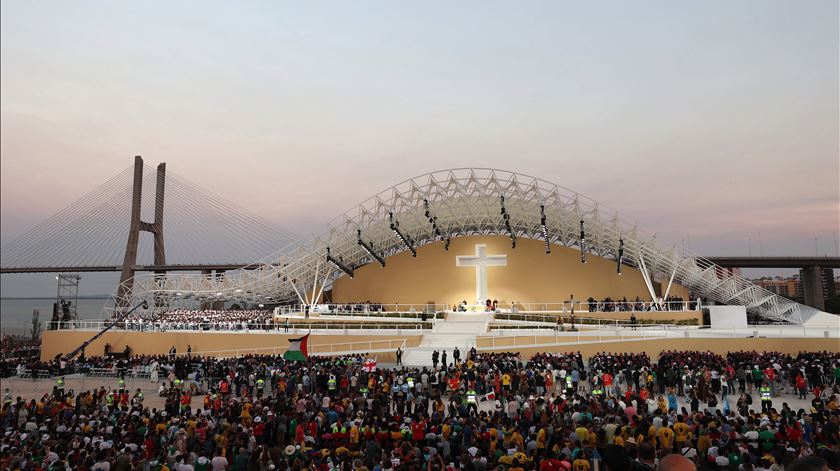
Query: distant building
(791,287)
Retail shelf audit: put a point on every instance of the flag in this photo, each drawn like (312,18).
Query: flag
(298,349)
(369,365)
(491,396)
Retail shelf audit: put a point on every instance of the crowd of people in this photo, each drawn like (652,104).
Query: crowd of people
(205,319)
(671,303)
(480,412)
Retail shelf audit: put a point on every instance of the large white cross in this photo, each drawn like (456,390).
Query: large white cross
(480,261)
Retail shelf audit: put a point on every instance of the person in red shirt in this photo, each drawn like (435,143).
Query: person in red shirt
(770,375)
(607,379)
(418,430)
(299,434)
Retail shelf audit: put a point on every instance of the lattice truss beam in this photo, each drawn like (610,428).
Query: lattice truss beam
(465,202)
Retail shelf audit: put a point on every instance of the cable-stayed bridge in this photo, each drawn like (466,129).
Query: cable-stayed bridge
(127,225)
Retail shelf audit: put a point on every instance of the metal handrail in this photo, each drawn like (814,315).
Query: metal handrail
(136,326)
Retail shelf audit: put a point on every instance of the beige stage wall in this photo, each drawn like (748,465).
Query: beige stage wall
(531,276)
(654,347)
(56,342)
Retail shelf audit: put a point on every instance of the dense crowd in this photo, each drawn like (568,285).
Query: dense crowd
(205,319)
(485,411)
(671,303)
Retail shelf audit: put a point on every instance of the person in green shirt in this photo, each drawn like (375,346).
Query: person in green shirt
(766,439)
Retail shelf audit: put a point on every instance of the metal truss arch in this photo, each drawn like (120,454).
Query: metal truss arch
(458,202)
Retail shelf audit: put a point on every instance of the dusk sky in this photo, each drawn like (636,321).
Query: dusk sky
(712,121)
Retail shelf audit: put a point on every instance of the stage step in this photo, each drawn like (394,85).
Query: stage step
(457,330)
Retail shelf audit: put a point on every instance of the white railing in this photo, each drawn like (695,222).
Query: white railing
(500,339)
(294,327)
(577,306)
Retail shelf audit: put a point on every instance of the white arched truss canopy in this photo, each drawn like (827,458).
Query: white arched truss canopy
(461,202)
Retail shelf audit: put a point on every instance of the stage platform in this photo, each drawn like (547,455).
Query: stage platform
(484,331)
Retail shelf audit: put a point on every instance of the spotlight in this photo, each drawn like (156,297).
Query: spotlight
(506,218)
(582,243)
(544,229)
(341,266)
(620,255)
(395,226)
(369,249)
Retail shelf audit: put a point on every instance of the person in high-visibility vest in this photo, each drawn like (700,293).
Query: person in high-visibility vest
(109,401)
(121,384)
(59,384)
(472,401)
(260,387)
(597,392)
(570,387)
(138,397)
(177,383)
(331,383)
(766,399)
(364,391)
(410,382)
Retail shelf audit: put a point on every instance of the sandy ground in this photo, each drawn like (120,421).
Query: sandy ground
(29,389)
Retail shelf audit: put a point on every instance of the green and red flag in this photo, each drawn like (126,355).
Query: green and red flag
(298,349)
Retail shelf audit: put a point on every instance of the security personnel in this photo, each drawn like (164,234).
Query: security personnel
(109,400)
(331,384)
(598,392)
(570,387)
(138,397)
(121,384)
(177,383)
(59,385)
(766,399)
(364,391)
(260,387)
(472,401)
(410,382)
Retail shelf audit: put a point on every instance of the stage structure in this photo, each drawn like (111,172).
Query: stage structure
(447,204)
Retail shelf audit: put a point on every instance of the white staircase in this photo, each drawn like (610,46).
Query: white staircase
(459,329)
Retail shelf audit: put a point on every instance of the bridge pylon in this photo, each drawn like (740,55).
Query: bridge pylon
(136,225)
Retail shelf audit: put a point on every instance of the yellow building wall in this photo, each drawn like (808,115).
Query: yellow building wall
(531,276)
(55,342)
(654,347)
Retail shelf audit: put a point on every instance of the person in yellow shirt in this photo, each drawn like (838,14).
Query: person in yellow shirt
(446,431)
(580,464)
(506,382)
(581,432)
(541,441)
(518,440)
(666,438)
(494,441)
(651,435)
(354,434)
(682,434)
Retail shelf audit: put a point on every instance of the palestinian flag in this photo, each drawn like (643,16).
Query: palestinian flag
(298,349)
(491,396)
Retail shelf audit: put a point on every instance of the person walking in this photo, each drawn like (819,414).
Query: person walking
(399,356)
